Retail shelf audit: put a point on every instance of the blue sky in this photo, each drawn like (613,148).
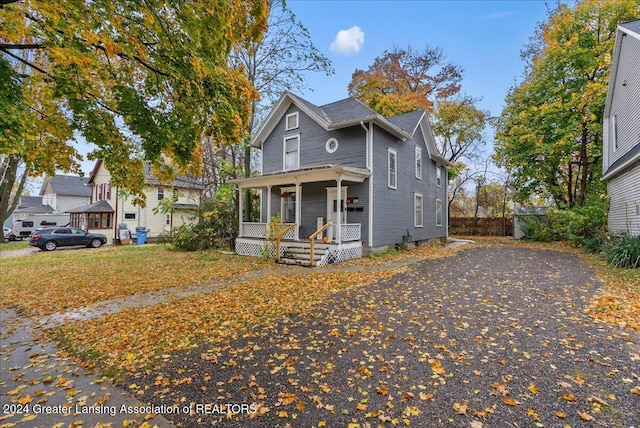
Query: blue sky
(484,37)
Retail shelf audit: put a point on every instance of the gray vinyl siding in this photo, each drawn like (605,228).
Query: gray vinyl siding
(313,138)
(623,187)
(314,205)
(625,103)
(393,210)
(624,193)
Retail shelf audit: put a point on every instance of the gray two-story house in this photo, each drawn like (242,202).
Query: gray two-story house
(621,139)
(375,182)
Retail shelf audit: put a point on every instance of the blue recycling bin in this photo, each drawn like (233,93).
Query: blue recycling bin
(141,235)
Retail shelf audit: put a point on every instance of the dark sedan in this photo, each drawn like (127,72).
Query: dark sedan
(51,238)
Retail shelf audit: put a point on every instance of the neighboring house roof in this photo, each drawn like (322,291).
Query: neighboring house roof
(630,29)
(29,201)
(40,209)
(68,185)
(633,27)
(346,113)
(182,181)
(96,207)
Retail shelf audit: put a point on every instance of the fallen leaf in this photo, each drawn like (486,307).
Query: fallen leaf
(635,390)
(533,414)
(510,401)
(561,415)
(461,408)
(585,416)
(533,388)
(568,396)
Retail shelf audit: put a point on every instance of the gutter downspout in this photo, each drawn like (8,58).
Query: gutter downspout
(369,165)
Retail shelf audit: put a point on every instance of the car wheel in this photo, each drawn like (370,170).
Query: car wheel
(96,243)
(50,246)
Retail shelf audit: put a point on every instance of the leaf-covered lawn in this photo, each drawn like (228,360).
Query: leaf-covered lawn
(133,339)
(46,283)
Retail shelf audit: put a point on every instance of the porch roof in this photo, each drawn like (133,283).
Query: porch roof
(308,174)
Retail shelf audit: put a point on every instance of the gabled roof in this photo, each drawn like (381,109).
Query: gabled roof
(351,112)
(182,181)
(96,207)
(68,185)
(337,115)
(40,209)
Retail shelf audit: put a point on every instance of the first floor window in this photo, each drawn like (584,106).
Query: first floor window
(438,212)
(167,219)
(288,206)
(130,216)
(417,209)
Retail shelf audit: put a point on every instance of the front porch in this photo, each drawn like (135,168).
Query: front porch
(316,204)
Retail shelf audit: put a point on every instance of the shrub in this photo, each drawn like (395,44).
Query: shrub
(623,252)
(578,224)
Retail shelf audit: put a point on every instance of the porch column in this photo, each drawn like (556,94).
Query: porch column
(268,204)
(298,212)
(339,209)
(240,211)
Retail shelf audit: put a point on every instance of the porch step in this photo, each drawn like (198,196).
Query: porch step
(301,256)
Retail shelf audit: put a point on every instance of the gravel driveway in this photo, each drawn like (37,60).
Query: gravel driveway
(492,337)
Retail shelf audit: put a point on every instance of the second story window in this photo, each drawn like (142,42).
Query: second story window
(160,193)
(292,121)
(438,175)
(291,153)
(418,163)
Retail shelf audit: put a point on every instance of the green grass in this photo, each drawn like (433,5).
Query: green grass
(14,245)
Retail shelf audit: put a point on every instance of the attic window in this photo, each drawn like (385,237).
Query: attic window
(332,145)
(292,121)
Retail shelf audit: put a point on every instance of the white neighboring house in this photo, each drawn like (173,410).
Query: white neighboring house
(63,192)
(108,211)
(621,127)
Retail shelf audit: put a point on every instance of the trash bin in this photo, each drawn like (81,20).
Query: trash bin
(141,235)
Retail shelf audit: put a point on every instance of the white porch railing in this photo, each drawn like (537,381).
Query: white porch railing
(259,230)
(254,230)
(349,232)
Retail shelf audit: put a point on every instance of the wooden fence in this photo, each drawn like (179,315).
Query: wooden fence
(481,226)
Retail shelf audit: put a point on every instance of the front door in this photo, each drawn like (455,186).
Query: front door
(336,207)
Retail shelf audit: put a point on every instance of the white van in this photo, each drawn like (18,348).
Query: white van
(30,223)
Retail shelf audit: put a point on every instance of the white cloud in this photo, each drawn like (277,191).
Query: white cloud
(348,41)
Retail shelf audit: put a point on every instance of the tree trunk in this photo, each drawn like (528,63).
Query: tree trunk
(9,174)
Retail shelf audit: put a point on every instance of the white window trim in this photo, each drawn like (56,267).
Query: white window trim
(161,191)
(284,152)
(286,121)
(418,164)
(418,222)
(439,201)
(391,152)
(438,176)
(328,145)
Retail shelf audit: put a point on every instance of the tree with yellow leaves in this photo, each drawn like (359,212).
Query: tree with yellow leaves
(144,81)
(550,133)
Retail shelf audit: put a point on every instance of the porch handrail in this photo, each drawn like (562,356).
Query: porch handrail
(279,237)
(312,241)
